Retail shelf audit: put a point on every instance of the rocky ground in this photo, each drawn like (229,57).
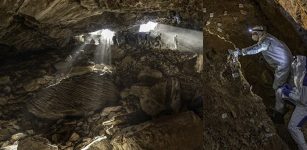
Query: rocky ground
(146,99)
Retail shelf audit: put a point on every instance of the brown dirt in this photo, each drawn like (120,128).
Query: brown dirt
(246,112)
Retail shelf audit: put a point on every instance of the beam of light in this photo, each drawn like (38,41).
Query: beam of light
(102,35)
(148,26)
(103,50)
(107,34)
(67,65)
(187,40)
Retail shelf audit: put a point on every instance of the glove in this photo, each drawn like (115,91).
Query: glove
(286,89)
(288,86)
(236,52)
(239,51)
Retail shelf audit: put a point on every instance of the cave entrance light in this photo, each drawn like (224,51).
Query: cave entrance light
(148,26)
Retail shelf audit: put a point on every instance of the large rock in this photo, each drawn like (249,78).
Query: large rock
(148,74)
(99,143)
(74,96)
(178,132)
(157,98)
(297,9)
(36,143)
(4,80)
(37,83)
(7,129)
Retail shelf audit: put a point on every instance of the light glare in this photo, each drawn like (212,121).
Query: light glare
(148,26)
(105,33)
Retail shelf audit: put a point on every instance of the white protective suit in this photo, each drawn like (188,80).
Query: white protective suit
(277,55)
(296,94)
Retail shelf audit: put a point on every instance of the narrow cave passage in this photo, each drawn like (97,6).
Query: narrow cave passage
(244,104)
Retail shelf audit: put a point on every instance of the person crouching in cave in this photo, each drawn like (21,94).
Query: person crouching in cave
(296,93)
(175,42)
(275,52)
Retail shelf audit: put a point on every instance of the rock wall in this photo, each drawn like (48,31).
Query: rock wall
(36,25)
(297,9)
(288,17)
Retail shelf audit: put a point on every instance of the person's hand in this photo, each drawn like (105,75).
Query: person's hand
(236,52)
(286,89)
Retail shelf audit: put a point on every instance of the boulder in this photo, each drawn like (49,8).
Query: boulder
(36,143)
(99,143)
(176,132)
(148,74)
(74,96)
(4,80)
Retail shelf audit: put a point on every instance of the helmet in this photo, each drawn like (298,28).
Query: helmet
(257,29)
(258,32)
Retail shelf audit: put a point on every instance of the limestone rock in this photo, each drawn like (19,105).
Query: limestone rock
(297,9)
(74,96)
(37,83)
(152,99)
(157,98)
(5,134)
(99,143)
(4,100)
(52,23)
(108,110)
(10,147)
(74,137)
(18,136)
(36,143)
(199,63)
(7,89)
(4,80)
(149,74)
(172,132)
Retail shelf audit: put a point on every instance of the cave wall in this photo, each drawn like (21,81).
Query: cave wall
(288,17)
(35,25)
(297,9)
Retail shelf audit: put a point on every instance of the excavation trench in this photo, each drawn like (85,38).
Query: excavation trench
(244,117)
